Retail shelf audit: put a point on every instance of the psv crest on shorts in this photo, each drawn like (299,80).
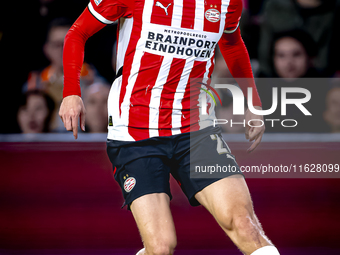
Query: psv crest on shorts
(129,184)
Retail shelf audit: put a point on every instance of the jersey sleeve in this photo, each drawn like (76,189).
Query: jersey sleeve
(237,59)
(73,54)
(108,11)
(233,16)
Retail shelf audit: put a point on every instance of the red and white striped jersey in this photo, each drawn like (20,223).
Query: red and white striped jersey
(164,45)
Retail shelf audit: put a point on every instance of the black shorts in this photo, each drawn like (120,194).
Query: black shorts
(144,167)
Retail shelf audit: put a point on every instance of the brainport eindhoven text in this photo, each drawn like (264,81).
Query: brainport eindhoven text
(184,45)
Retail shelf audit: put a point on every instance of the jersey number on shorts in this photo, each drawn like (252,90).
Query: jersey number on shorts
(220,148)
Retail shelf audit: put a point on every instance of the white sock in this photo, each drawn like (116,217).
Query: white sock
(140,252)
(266,250)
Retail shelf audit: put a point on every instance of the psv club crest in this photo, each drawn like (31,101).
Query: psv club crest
(212,15)
(129,184)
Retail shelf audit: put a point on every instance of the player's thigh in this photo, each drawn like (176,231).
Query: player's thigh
(154,220)
(226,199)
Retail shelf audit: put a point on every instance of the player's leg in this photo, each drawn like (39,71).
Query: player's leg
(154,220)
(142,170)
(229,201)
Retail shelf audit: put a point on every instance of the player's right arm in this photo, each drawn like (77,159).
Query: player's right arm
(95,17)
(72,106)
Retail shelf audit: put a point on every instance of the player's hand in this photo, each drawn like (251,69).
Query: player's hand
(254,134)
(71,109)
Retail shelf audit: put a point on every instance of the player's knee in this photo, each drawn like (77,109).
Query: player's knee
(241,221)
(225,220)
(245,225)
(161,247)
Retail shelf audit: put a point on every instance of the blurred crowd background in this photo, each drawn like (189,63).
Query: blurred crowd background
(291,43)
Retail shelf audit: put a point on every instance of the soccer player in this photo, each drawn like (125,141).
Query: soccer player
(155,125)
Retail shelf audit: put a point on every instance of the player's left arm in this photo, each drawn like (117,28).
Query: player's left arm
(237,59)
